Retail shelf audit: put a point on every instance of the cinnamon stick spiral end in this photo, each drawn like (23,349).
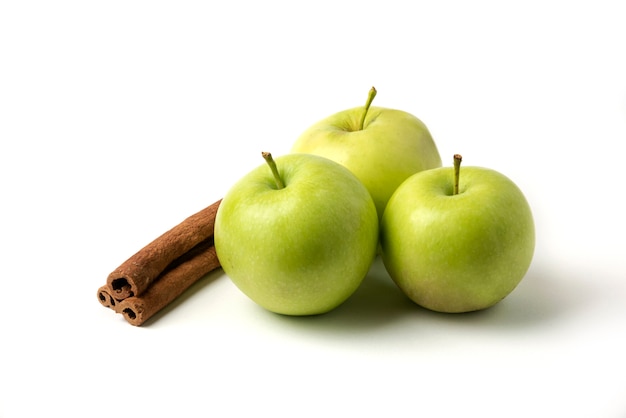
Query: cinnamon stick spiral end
(120,286)
(105,298)
(134,311)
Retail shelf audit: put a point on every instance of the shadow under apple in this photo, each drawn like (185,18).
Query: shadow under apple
(376,303)
(541,298)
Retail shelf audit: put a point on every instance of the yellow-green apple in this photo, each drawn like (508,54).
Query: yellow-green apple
(297,235)
(381,146)
(457,240)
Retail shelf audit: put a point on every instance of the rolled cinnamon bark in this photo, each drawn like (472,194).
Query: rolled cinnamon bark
(136,274)
(106,299)
(177,278)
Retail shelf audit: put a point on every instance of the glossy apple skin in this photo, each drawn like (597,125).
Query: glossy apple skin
(392,146)
(457,253)
(303,249)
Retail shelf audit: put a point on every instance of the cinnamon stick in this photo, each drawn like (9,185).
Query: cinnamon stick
(105,297)
(177,278)
(136,274)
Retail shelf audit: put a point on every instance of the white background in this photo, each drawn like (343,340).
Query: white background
(118,119)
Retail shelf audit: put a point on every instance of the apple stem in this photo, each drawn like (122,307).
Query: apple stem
(457,170)
(270,161)
(370,99)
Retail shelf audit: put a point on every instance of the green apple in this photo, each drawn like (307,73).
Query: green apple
(457,241)
(298,237)
(381,146)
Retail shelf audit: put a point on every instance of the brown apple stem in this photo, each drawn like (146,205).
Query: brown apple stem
(368,103)
(270,161)
(457,170)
